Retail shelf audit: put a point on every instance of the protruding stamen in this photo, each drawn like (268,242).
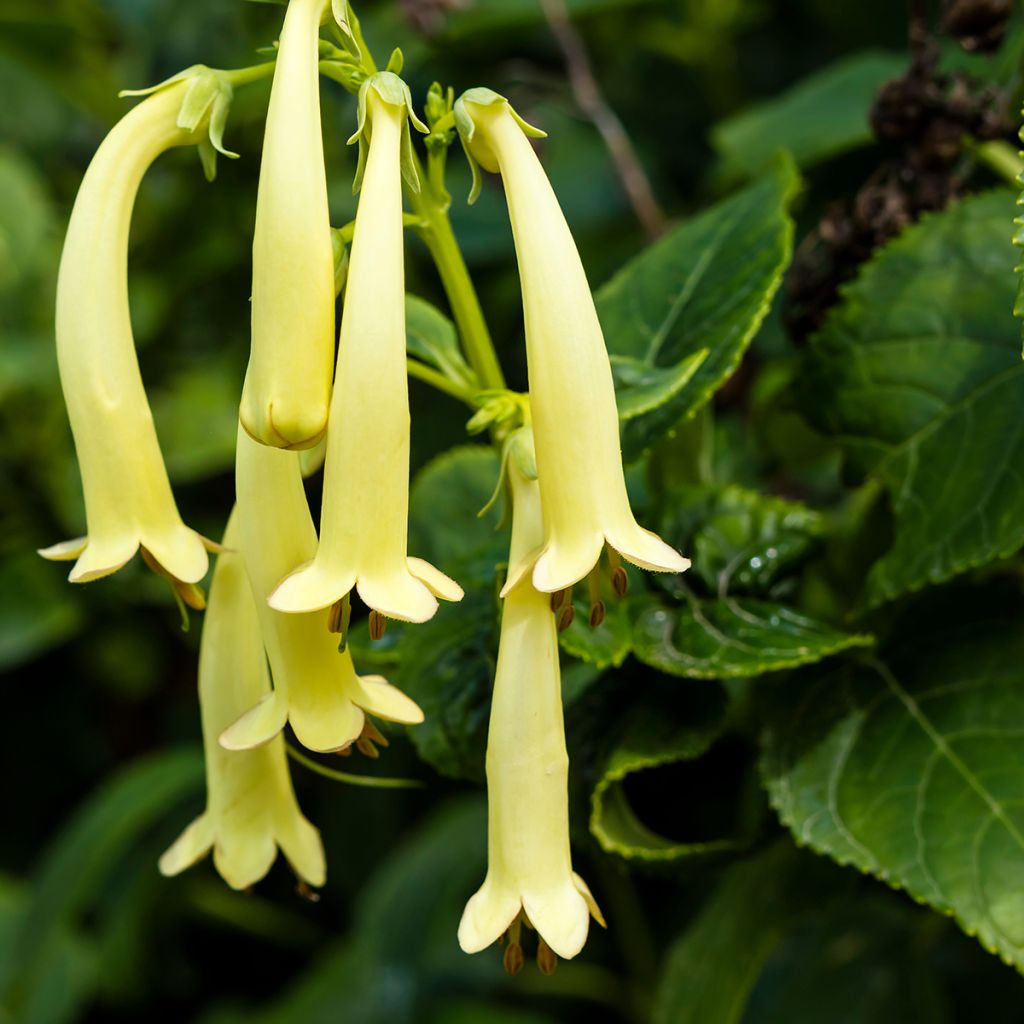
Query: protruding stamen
(558,599)
(334,617)
(344,751)
(565,617)
(547,961)
(303,891)
(513,959)
(369,739)
(596,614)
(594,591)
(190,593)
(620,581)
(377,625)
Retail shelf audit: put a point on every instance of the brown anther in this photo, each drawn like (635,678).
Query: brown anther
(334,617)
(303,891)
(371,732)
(366,748)
(558,599)
(596,614)
(565,617)
(620,581)
(546,959)
(513,959)
(377,625)
(345,751)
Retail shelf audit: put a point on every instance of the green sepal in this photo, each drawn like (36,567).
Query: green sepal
(341,14)
(396,61)
(392,90)
(207,100)
(466,126)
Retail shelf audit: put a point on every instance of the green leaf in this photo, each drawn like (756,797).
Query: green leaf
(431,338)
(739,540)
(918,374)
(733,637)
(27,228)
(711,969)
(447,666)
(662,729)
(85,851)
(705,286)
(913,771)
(38,610)
(444,525)
(821,116)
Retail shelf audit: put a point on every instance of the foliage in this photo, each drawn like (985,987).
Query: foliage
(840,669)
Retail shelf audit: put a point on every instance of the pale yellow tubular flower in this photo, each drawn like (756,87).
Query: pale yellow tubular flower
(529,860)
(128,499)
(315,687)
(288,382)
(251,809)
(572,394)
(364,521)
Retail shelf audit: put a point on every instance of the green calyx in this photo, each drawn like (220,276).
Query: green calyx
(466,126)
(207,102)
(393,91)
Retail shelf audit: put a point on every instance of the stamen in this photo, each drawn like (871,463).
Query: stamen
(620,581)
(596,604)
(334,617)
(565,617)
(596,614)
(377,625)
(344,751)
(513,959)
(547,961)
(369,738)
(558,599)
(303,891)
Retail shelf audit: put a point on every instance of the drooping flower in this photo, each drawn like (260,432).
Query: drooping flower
(288,382)
(251,809)
(128,499)
(572,394)
(316,688)
(364,521)
(529,868)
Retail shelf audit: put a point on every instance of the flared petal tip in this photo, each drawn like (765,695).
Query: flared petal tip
(259,725)
(562,917)
(379,698)
(647,550)
(398,595)
(518,571)
(440,585)
(65,551)
(487,917)
(191,846)
(308,589)
(303,848)
(563,563)
(181,552)
(95,560)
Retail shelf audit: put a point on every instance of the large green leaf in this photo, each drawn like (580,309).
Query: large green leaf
(918,374)
(661,729)
(913,771)
(431,338)
(821,116)
(712,967)
(678,317)
(84,852)
(731,637)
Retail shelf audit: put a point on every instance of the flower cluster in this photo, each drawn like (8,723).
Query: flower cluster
(274,649)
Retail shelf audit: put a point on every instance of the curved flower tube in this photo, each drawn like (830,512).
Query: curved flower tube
(315,687)
(288,382)
(364,523)
(529,861)
(572,395)
(128,499)
(251,809)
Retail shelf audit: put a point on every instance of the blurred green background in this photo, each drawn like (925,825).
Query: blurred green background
(100,723)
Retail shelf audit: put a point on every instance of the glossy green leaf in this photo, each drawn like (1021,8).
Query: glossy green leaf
(913,771)
(659,730)
(706,286)
(84,853)
(711,969)
(444,525)
(918,375)
(731,637)
(447,666)
(38,609)
(431,338)
(821,116)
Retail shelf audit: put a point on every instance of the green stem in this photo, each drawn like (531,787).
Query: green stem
(436,231)
(243,76)
(372,781)
(439,381)
(1000,157)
